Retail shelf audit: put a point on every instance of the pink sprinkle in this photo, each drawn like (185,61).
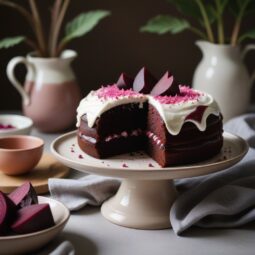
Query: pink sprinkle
(186,94)
(3,126)
(112,91)
(80,156)
(150,165)
(124,165)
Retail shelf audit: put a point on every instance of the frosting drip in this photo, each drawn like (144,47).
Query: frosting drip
(102,100)
(174,110)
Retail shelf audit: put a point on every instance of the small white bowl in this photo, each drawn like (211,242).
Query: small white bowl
(22,244)
(23,125)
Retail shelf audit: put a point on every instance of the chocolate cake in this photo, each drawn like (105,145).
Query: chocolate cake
(173,123)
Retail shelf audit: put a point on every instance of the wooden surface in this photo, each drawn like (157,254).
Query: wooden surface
(47,168)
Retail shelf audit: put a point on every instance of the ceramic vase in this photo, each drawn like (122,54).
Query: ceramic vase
(223,74)
(50,95)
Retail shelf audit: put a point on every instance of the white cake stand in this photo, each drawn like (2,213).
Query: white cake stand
(147,192)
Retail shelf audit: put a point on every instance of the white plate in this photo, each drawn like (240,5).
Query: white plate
(23,125)
(19,244)
(66,150)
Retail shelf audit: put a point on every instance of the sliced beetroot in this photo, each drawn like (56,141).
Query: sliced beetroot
(7,213)
(33,218)
(166,86)
(125,81)
(24,195)
(144,81)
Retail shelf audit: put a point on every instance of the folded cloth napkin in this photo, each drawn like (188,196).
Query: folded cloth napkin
(223,199)
(88,190)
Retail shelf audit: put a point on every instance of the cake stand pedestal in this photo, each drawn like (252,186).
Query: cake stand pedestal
(141,204)
(147,193)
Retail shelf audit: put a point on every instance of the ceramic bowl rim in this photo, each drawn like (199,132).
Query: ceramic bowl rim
(28,123)
(28,137)
(62,222)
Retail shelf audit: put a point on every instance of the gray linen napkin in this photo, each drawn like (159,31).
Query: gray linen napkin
(223,199)
(88,190)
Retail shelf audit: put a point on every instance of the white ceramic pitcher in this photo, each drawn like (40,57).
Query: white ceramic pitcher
(50,95)
(223,74)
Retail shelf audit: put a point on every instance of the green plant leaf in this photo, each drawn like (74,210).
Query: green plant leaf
(162,24)
(11,41)
(83,24)
(248,35)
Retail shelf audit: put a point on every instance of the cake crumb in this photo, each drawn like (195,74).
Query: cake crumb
(124,165)
(73,145)
(150,165)
(80,156)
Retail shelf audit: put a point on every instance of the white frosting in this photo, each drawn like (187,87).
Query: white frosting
(173,115)
(93,106)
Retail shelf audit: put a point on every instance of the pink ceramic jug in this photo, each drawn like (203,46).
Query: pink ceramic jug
(50,95)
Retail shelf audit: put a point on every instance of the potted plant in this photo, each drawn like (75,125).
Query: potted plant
(51,94)
(221,72)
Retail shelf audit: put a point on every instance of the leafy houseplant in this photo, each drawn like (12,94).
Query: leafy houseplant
(222,71)
(51,94)
(207,16)
(52,46)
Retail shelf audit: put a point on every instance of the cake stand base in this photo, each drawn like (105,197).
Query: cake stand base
(141,204)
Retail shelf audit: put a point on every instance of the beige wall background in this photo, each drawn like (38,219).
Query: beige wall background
(116,45)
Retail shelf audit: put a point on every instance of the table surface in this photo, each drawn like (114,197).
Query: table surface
(92,234)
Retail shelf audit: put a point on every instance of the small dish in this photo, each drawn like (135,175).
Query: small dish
(22,244)
(21,125)
(19,154)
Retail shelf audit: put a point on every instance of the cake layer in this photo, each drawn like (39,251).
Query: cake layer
(126,118)
(185,154)
(115,146)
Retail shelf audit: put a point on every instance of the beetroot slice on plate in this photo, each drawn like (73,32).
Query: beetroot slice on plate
(125,82)
(7,213)
(24,195)
(33,218)
(144,81)
(166,86)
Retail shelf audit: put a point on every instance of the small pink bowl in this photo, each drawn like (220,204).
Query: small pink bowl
(19,154)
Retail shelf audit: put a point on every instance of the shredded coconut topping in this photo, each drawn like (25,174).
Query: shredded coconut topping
(112,91)
(186,94)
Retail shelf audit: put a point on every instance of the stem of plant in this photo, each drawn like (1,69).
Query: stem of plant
(38,29)
(198,32)
(221,37)
(54,16)
(238,23)
(206,20)
(53,50)
(27,15)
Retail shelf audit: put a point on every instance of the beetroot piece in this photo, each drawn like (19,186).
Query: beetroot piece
(166,86)
(125,81)
(33,218)
(144,81)
(7,213)
(24,195)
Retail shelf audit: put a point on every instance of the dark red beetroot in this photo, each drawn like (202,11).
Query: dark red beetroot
(166,86)
(144,81)
(7,213)
(125,81)
(33,218)
(24,195)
